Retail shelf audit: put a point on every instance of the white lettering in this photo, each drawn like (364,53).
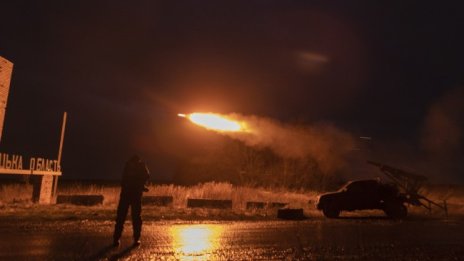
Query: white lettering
(48,165)
(20,162)
(14,162)
(8,163)
(2,162)
(56,166)
(32,164)
(5,158)
(39,164)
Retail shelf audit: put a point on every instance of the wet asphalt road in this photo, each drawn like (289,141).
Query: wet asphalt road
(313,239)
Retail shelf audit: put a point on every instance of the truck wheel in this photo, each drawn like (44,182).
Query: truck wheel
(331,212)
(396,211)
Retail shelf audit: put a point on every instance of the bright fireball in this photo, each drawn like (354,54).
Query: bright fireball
(213,121)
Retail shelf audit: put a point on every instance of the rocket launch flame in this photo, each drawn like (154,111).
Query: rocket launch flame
(326,144)
(213,121)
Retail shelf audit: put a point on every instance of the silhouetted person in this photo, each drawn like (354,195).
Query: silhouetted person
(133,182)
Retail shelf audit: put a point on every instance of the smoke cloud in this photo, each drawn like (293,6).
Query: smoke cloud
(324,143)
(444,124)
(443,136)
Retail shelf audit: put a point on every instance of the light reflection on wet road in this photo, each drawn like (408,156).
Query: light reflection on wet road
(343,239)
(196,240)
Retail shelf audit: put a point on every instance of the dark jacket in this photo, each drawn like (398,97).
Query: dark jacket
(135,176)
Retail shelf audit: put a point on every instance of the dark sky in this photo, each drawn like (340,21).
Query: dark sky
(124,69)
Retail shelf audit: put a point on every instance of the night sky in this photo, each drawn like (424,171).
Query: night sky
(124,69)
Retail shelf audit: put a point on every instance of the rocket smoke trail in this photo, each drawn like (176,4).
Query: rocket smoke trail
(324,143)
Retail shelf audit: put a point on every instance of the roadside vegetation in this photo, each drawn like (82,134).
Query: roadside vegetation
(15,202)
(210,190)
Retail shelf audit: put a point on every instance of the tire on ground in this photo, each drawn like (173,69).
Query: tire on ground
(331,211)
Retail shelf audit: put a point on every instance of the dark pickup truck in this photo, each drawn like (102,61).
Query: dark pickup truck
(364,194)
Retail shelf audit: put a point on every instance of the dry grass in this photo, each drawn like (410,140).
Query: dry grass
(238,194)
(17,203)
(212,190)
(19,195)
(110,193)
(15,193)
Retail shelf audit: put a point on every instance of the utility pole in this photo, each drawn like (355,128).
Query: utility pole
(63,129)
